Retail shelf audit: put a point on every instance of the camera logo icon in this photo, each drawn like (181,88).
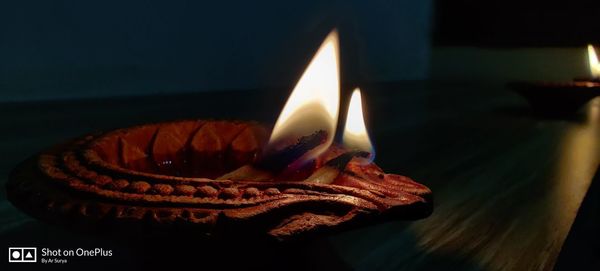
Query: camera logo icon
(22,254)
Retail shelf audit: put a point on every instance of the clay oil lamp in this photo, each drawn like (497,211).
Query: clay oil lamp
(562,98)
(220,179)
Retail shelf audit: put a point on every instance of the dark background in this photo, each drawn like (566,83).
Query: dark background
(70,49)
(514,23)
(54,50)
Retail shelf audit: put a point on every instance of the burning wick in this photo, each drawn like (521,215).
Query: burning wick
(311,112)
(593,61)
(334,167)
(355,132)
(278,160)
(306,126)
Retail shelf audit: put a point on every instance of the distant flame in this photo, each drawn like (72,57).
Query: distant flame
(314,102)
(355,132)
(593,60)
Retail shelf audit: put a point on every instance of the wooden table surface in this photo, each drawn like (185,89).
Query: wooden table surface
(507,184)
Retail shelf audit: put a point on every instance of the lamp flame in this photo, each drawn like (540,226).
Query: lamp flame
(355,132)
(593,61)
(314,102)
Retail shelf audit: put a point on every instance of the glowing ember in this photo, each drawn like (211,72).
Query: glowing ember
(355,132)
(314,102)
(593,60)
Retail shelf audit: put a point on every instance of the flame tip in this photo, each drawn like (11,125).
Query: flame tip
(314,102)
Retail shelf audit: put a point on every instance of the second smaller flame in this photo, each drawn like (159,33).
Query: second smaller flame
(593,60)
(355,132)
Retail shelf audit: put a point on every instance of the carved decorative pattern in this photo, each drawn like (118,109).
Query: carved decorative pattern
(148,174)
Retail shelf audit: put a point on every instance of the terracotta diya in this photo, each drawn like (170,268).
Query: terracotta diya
(225,178)
(562,98)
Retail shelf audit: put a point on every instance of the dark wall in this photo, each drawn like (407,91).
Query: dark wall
(517,23)
(66,49)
